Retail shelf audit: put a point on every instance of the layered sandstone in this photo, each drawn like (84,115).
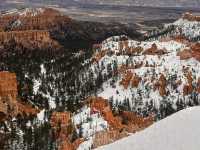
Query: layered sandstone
(8,94)
(8,85)
(10,106)
(66,145)
(20,36)
(61,119)
(107,137)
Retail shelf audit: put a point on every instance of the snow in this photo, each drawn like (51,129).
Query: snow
(189,28)
(43,70)
(81,116)
(36,86)
(86,145)
(25,12)
(51,101)
(168,64)
(94,124)
(40,115)
(177,132)
(90,123)
(31,11)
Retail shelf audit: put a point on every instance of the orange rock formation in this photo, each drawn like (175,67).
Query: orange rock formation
(9,105)
(42,21)
(135,81)
(31,35)
(126,79)
(102,105)
(161,85)
(154,50)
(194,52)
(188,89)
(190,17)
(118,130)
(60,119)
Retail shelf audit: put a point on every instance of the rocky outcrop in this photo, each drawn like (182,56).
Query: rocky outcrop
(193,52)
(6,20)
(63,129)
(161,85)
(154,50)
(196,51)
(185,54)
(188,88)
(134,50)
(33,19)
(126,79)
(122,124)
(123,45)
(97,57)
(8,85)
(107,137)
(135,80)
(10,106)
(135,122)
(190,17)
(129,78)
(102,105)
(61,119)
(20,36)
(8,94)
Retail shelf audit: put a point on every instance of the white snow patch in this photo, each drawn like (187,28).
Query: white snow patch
(177,132)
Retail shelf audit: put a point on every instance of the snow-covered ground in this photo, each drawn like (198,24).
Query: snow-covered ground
(177,132)
(168,64)
(189,28)
(25,12)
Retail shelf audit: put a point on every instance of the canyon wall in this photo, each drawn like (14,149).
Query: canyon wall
(10,106)
(31,35)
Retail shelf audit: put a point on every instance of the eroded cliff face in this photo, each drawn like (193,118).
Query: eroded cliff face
(32,19)
(31,28)
(10,106)
(192,52)
(20,36)
(8,94)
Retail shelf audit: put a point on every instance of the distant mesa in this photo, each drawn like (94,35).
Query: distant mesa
(190,17)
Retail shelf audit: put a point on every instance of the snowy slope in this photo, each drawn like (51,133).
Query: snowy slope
(25,12)
(152,67)
(177,132)
(189,28)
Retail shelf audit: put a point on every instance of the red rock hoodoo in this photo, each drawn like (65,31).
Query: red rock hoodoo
(154,50)
(9,105)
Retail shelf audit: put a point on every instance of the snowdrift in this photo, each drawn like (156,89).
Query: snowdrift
(177,132)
